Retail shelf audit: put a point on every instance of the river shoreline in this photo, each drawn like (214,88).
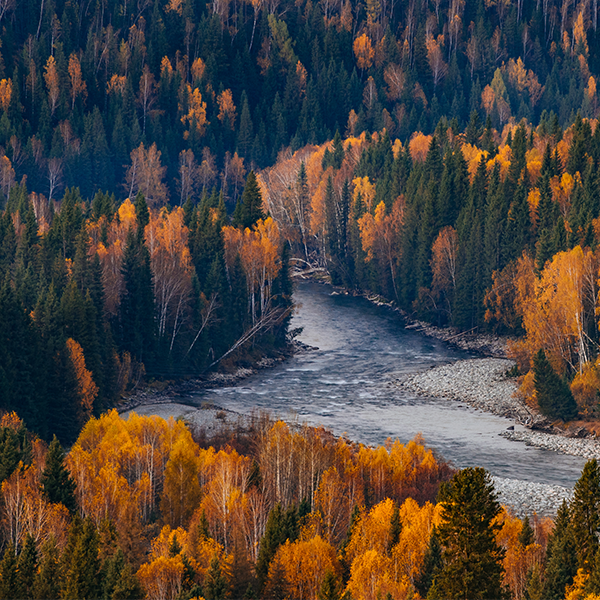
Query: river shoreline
(476,382)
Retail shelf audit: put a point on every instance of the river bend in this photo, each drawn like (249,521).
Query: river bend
(344,385)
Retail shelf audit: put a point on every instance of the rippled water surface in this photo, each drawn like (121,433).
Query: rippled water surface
(345,386)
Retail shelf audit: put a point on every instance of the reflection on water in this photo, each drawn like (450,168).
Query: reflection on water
(345,386)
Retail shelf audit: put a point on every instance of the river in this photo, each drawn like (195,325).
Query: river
(344,385)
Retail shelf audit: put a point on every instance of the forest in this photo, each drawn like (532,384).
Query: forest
(147,508)
(442,155)
(164,164)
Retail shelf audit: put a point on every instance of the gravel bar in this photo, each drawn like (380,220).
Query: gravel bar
(482,383)
(524,498)
(479,382)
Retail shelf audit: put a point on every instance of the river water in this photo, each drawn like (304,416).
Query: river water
(344,385)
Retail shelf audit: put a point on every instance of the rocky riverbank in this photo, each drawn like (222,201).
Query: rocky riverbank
(478,382)
(483,384)
(524,498)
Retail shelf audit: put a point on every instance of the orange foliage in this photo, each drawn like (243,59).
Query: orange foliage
(419,146)
(557,307)
(435,57)
(167,237)
(195,114)
(78,86)
(562,190)
(52,83)
(226,108)
(586,387)
(87,390)
(364,52)
(181,492)
(5,93)
(198,68)
(146,175)
(443,260)
(162,578)
(224,500)
(119,467)
(364,187)
(258,249)
(519,559)
(303,564)
(25,510)
(380,234)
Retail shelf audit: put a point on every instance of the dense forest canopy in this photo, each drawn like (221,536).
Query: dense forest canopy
(113,96)
(162,163)
(145,508)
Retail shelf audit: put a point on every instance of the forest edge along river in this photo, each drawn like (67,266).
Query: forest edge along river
(345,383)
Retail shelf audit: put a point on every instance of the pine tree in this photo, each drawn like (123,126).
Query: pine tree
(526,536)
(534,589)
(472,559)
(46,583)
(553,394)
(27,567)
(82,579)
(585,514)
(561,558)
(10,584)
(330,588)
(432,564)
(56,479)
(215,584)
(251,210)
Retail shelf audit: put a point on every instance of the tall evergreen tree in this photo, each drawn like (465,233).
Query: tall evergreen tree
(471,557)
(57,482)
(585,514)
(561,558)
(553,394)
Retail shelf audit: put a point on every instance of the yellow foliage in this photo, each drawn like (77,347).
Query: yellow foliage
(576,590)
(197,69)
(303,564)
(503,158)
(5,93)
(126,214)
(162,577)
(196,112)
(87,390)
(419,146)
(533,200)
(364,187)
(364,52)
(586,387)
(371,578)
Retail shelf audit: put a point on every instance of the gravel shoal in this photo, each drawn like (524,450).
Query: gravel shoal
(524,498)
(587,448)
(483,384)
(479,382)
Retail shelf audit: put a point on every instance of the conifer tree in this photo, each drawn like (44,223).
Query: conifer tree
(553,394)
(471,557)
(27,567)
(330,588)
(46,583)
(10,584)
(251,203)
(561,558)
(431,566)
(585,514)
(56,479)
(215,583)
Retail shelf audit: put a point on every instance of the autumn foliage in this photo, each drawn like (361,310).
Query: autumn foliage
(182,517)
